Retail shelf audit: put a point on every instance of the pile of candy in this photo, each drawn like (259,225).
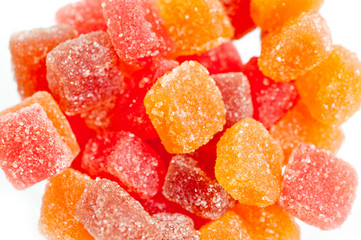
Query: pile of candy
(148,125)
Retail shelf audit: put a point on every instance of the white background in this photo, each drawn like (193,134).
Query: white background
(19,210)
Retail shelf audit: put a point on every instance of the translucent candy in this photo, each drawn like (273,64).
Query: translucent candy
(298,126)
(84,73)
(175,226)
(185,107)
(197,26)
(269,223)
(272,14)
(188,185)
(136,30)
(298,47)
(28,53)
(271,100)
(249,164)
(46,101)
(230,226)
(332,90)
(239,13)
(83,16)
(222,59)
(31,149)
(57,218)
(236,95)
(108,212)
(127,159)
(317,187)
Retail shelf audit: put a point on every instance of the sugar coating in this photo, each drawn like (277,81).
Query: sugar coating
(230,226)
(197,26)
(175,226)
(28,54)
(185,107)
(84,72)
(189,186)
(108,212)
(298,47)
(270,15)
(269,223)
(332,90)
(249,164)
(222,59)
(271,100)
(236,95)
(129,113)
(83,16)
(57,217)
(136,30)
(31,149)
(54,113)
(239,13)
(125,157)
(298,126)
(317,187)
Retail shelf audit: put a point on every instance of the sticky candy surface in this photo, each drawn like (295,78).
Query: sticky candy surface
(31,149)
(185,107)
(57,218)
(332,90)
(197,26)
(318,188)
(28,54)
(249,164)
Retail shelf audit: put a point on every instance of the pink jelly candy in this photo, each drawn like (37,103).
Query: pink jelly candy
(317,187)
(31,148)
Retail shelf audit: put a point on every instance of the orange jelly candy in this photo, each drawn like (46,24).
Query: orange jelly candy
(230,226)
(185,107)
(54,114)
(197,26)
(57,219)
(249,163)
(270,223)
(298,126)
(295,49)
(332,90)
(272,14)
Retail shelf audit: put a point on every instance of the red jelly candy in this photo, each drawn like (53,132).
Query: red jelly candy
(271,100)
(317,187)
(126,158)
(31,149)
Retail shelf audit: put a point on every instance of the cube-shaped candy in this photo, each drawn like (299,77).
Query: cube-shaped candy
(136,30)
(108,212)
(229,226)
(83,16)
(271,100)
(249,164)
(332,90)
(31,149)
(185,107)
(271,223)
(126,158)
(222,59)
(298,47)
(317,187)
(28,54)
(272,14)
(84,73)
(197,26)
(190,187)
(236,95)
(57,218)
(298,126)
